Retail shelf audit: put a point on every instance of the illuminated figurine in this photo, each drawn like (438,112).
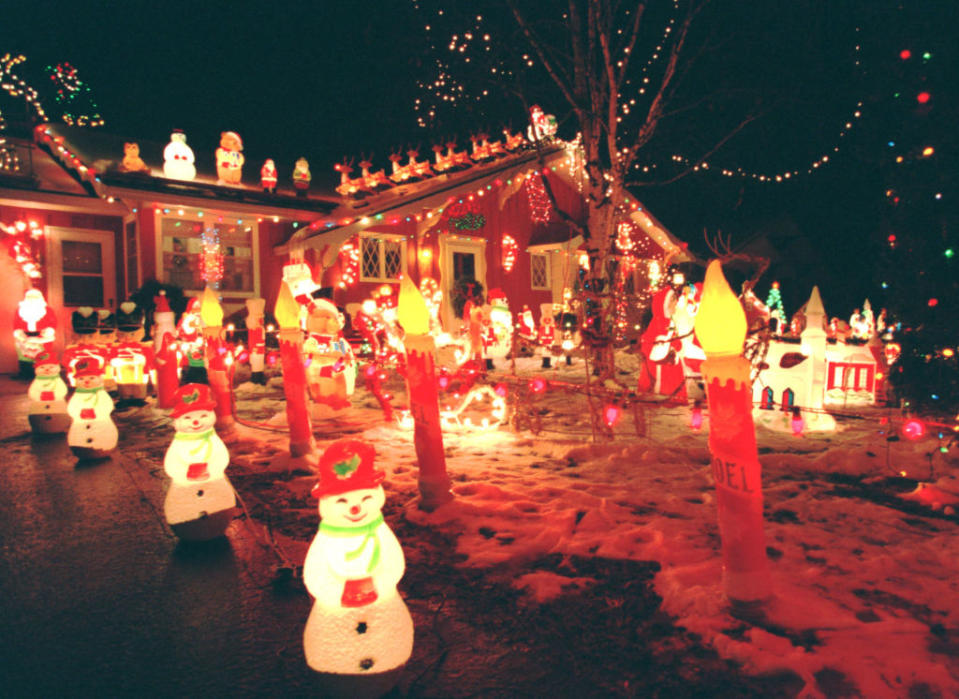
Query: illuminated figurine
(255,339)
(499,338)
(229,158)
(166,351)
(92,434)
(190,332)
(301,177)
(200,501)
(178,158)
(268,176)
(526,332)
(547,338)
(34,329)
(83,321)
(132,360)
(131,159)
(331,374)
(359,630)
(106,339)
(542,126)
(48,410)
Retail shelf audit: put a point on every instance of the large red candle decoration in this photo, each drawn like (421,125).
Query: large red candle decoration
(421,389)
(720,327)
(287,312)
(216,369)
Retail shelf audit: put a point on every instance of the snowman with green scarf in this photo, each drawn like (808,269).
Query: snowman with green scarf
(200,501)
(92,434)
(48,392)
(359,633)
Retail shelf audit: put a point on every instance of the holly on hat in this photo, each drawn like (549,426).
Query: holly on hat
(45,358)
(190,397)
(347,465)
(88,366)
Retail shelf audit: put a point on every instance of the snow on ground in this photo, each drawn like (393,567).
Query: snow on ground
(864,561)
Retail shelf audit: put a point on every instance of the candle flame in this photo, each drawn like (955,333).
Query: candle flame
(720,324)
(287,310)
(210,310)
(412,312)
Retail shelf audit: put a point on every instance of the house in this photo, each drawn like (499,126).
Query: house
(115,214)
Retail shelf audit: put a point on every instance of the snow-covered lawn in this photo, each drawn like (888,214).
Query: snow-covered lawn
(864,564)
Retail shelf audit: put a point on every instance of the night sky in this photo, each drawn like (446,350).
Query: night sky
(328,80)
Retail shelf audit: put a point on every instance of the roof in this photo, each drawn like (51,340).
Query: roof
(93,156)
(412,200)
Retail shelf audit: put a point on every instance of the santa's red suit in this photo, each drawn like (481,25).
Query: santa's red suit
(34,326)
(664,374)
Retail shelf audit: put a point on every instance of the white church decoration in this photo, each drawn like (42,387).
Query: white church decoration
(200,501)
(48,392)
(92,434)
(359,634)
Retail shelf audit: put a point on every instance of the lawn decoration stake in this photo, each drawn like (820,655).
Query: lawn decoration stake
(216,363)
(200,501)
(287,312)
(721,329)
(48,410)
(359,633)
(421,389)
(92,434)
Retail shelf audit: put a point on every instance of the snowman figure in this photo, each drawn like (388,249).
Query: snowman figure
(359,631)
(48,411)
(499,338)
(178,158)
(92,434)
(200,501)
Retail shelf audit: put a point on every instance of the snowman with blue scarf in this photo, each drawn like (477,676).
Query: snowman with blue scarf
(200,501)
(360,631)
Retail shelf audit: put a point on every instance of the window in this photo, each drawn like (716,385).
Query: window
(382,258)
(539,270)
(188,246)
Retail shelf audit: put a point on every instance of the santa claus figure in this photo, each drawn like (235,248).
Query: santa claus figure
(526,331)
(48,409)
(200,501)
(331,374)
(268,176)
(34,329)
(359,633)
(92,434)
(256,339)
(547,338)
(662,371)
(166,351)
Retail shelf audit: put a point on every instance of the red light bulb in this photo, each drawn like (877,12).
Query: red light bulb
(923,97)
(913,429)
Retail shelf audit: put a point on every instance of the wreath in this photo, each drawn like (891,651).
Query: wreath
(466,289)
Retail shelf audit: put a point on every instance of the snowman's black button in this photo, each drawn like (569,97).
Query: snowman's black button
(361,627)
(366,663)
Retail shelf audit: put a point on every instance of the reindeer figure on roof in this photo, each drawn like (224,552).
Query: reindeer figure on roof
(373,181)
(443,163)
(348,187)
(495,149)
(401,173)
(481,152)
(419,168)
(513,140)
(460,159)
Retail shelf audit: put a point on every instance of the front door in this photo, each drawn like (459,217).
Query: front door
(460,259)
(82,268)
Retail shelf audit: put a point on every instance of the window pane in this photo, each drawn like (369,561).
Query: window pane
(81,257)
(371,257)
(82,291)
(183,253)
(464,266)
(539,277)
(392,259)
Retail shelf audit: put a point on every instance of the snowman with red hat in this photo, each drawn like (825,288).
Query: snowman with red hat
(359,632)
(200,501)
(48,411)
(92,434)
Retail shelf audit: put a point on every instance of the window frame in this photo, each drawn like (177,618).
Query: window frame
(546,267)
(192,217)
(380,238)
